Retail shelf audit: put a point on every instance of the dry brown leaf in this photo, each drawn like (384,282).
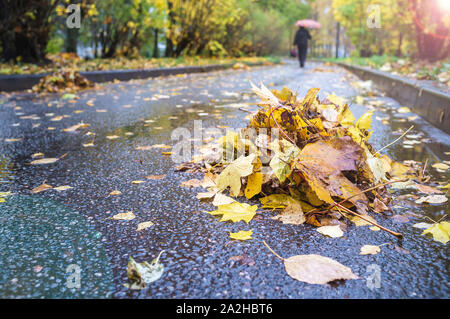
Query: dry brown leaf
(192,183)
(292,214)
(155,177)
(316,269)
(41,188)
(124,216)
(43,161)
(144,225)
(369,250)
(379,206)
(332,231)
(428,189)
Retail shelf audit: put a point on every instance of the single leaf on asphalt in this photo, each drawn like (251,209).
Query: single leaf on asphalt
(137,182)
(400,219)
(433,199)
(440,232)
(36,155)
(422,225)
(76,127)
(235,212)
(112,137)
(62,188)
(155,177)
(332,231)
(124,216)
(144,225)
(316,269)
(141,274)
(41,188)
(44,161)
(69,96)
(428,189)
(231,175)
(369,250)
(242,235)
(254,185)
(115,193)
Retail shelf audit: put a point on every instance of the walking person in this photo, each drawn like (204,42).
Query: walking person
(301,41)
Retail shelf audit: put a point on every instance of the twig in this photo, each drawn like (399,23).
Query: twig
(395,140)
(272,251)
(423,171)
(354,195)
(369,221)
(244,110)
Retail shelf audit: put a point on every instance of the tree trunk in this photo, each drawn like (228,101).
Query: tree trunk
(155,43)
(72,40)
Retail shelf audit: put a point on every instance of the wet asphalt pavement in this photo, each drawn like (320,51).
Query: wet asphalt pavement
(43,234)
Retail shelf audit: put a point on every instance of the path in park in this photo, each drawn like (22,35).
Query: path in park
(43,234)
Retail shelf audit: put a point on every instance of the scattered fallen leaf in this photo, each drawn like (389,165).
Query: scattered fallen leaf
(44,161)
(369,250)
(422,225)
(75,127)
(428,189)
(142,274)
(115,193)
(155,177)
(440,232)
(242,235)
(316,269)
(41,188)
(144,225)
(124,216)
(332,231)
(62,188)
(433,199)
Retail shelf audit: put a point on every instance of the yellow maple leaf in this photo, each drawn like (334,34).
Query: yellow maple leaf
(242,235)
(235,212)
(254,185)
(440,232)
(231,175)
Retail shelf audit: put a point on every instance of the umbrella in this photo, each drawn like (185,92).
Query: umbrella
(308,23)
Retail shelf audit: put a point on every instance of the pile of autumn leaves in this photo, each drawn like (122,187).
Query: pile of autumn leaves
(65,80)
(318,170)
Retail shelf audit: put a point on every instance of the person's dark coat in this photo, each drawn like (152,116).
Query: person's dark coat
(301,37)
(301,41)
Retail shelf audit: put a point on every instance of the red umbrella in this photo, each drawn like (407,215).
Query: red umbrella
(308,23)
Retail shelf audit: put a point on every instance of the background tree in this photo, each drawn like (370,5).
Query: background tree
(25,28)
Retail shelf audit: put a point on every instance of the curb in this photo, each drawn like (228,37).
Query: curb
(20,82)
(431,104)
